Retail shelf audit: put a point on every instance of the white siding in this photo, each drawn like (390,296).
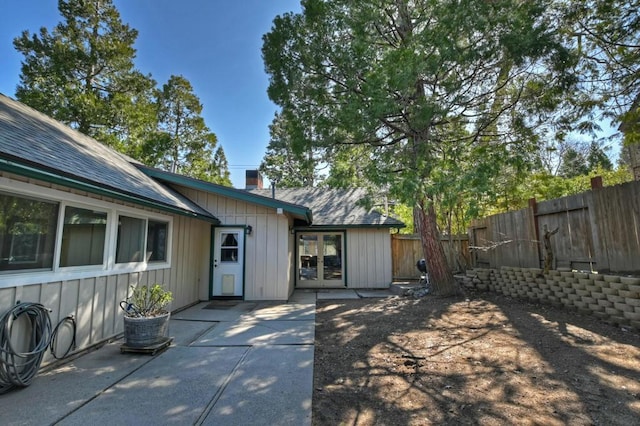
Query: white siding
(268,252)
(368,258)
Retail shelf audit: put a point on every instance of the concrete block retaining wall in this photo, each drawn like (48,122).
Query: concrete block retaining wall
(614,299)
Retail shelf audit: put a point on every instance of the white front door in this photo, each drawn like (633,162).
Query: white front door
(228,262)
(320,259)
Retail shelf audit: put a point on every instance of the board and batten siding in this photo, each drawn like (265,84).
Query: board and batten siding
(268,274)
(95,301)
(368,258)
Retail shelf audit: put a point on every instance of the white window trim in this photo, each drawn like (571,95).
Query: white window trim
(129,266)
(59,232)
(108,267)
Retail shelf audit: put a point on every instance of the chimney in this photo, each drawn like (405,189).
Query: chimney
(253,179)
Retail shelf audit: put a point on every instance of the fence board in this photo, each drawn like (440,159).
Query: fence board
(598,230)
(406,250)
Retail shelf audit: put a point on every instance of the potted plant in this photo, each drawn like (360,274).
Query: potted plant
(146,318)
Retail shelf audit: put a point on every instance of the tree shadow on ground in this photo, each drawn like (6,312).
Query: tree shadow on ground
(481,361)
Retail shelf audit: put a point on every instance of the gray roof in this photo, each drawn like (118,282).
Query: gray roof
(35,141)
(333,207)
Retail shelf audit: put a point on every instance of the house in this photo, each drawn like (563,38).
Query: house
(81,223)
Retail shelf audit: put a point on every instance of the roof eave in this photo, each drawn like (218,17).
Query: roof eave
(353,226)
(58,179)
(297,211)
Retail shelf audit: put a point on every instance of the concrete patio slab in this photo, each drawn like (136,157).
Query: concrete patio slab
(55,393)
(336,294)
(185,332)
(272,386)
(200,312)
(173,388)
(283,312)
(259,332)
(303,296)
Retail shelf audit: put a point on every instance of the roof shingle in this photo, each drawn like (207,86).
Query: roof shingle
(32,138)
(333,207)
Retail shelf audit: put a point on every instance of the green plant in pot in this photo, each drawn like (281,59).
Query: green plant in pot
(146,318)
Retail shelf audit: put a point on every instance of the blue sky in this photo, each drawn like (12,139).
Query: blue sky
(215,44)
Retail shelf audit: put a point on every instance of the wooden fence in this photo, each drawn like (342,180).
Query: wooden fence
(406,250)
(597,230)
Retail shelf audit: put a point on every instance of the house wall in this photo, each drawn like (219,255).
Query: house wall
(368,258)
(94,300)
(268,250)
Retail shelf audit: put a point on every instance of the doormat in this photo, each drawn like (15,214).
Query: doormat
(222,304)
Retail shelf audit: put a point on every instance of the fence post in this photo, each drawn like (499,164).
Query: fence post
(596,182)
(533,205)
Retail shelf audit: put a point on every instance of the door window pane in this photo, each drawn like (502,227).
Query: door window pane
(229,247)
(83,237)
(27,233)
(157,241)
(130,245)
(332,251)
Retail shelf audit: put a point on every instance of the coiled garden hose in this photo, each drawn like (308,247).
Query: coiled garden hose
(17,369)
(54,337)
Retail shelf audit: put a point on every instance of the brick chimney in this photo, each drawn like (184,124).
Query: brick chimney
(253,179)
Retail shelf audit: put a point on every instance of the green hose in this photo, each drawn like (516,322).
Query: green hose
(17,369)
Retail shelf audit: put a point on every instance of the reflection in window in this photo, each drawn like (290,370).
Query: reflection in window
(308,252)
(27,233)
(130,244)
(157,241)
(83,237)
(229,247)
(332,250)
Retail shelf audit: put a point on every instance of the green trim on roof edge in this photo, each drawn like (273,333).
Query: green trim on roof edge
(321,228)
(226,191)
(31,172)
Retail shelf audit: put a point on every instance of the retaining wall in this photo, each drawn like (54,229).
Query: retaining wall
(611,298)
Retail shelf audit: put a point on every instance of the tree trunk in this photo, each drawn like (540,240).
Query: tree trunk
(440,276)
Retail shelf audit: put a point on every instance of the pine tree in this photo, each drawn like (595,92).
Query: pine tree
(82,73)
(183,143)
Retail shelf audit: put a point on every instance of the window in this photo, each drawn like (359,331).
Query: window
(157,233)
(46,234)
(229,247)
(130,245)
(83,237)
(27,233)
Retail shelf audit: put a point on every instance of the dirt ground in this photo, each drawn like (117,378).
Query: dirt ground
(481,360)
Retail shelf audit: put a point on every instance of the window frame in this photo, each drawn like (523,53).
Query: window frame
(109,266)
(145,223)
(60,232)
(167,248)
(53,224)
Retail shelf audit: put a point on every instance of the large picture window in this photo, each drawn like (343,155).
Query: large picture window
(83,237)
(27,233)
(130,246)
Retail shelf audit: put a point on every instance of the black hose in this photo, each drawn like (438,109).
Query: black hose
(17,369)
(54,337)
